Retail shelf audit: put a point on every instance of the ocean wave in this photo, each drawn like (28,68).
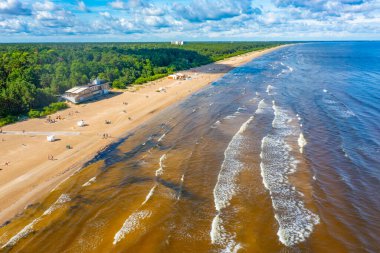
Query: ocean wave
(89,182)
(64,198)
(181,186)
(160,170)
(161,137)
(287,69)
(28,229)
(225,187)
(230,117)
(336,107)
(270,89)
(131,224)
(261,106)
(231,166)
(215,125)
(301,142)
(150,194)
(23,233)
(295,221)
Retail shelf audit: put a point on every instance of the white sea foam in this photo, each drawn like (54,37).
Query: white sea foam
(161,138)
(160,170)
(337,108)
(288,69)
(89,182)
(225,187)
(261,106)
(28,229)
(64,198)
(301,142)
(150,194)
(269,90)
(295,221)
(230,117)
(220,236)
(217,232)
(131,224)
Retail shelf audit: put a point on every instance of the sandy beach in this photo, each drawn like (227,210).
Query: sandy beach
(27,172)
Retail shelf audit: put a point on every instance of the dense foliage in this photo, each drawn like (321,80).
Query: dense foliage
(33,75)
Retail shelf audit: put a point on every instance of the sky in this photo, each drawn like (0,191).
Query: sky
(188,20)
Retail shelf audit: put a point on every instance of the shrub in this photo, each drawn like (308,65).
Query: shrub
(47,110)
(141,80)
(7,120)
(34,114)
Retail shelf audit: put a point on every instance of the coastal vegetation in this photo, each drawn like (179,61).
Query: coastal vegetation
(32,76)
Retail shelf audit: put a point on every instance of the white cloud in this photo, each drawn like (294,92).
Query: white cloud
(13,7)
(44,6)
(119,4)
(192,19)
(13,26)
(82,6)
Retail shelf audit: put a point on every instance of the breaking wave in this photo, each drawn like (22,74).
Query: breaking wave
(131,224)
(161,138)
(160,170)
(28,229)
(150,194)
(89,182)
(260,108)
(295,221)
(301,142)
(225,187)
(270,89)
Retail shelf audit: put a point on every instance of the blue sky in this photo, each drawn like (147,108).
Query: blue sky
(195,20)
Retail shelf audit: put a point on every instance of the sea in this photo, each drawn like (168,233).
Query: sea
(279,155)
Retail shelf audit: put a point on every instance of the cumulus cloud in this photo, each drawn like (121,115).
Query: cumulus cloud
(333,7)
(49,15)
(13,26)
(203,10)
(13,7)
(202,19)
(124,5)
(44,6)
(82,6)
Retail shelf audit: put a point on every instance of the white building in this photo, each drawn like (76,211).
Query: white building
(178,42)
(80,94)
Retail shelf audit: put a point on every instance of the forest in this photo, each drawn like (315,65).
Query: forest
(32,76)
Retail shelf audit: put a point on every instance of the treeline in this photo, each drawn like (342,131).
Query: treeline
(33,76)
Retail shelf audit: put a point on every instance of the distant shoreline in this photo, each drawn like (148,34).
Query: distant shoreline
(27,173)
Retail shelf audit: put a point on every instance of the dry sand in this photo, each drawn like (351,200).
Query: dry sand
(30,175)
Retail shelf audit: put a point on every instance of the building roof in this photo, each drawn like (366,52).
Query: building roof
(77,89)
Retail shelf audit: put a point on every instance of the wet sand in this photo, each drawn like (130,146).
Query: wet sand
(27,175)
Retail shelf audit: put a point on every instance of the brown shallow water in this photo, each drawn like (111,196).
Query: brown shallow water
(219,172)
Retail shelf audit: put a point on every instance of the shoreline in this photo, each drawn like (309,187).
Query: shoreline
(29,175)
